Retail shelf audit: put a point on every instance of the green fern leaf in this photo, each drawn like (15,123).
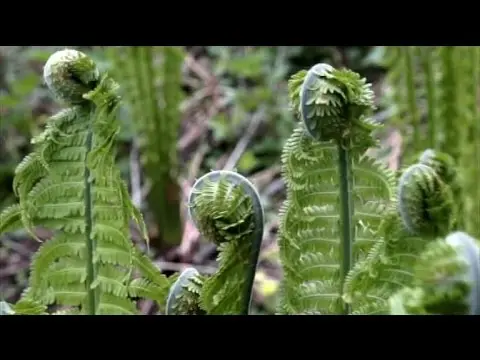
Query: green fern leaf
(227,211)
(70,184)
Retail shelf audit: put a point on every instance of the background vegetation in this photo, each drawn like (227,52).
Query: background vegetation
(227,108)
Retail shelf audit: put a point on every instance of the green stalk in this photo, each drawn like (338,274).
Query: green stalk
(411,96)
(257,238)
(449,100)
(92,300)
(157,114)
(427,63)
(476,121)
(346,214)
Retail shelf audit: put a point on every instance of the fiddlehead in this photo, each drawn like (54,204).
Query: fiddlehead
(424,210)
(425,202)
(426,193)
(324,229)
(184,295)
(227,210)
(69,75)
(71,185)
(447,280)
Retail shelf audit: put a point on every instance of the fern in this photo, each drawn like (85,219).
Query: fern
(184,295)
(344,249)
(427,60)
(227,210)
(353,238)
(448,84)
(151,78)
(71,185)
(447,280)
(423,211)
(335,193)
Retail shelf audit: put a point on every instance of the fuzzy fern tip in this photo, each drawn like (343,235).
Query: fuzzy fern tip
(70,74)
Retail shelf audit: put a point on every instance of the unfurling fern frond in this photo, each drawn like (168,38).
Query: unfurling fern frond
(447,280)
(336,194)
(184,295)
(425,202)
(227,211)
(424,211)
(447,82)
(71,185)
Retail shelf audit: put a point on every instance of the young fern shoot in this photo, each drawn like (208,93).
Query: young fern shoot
(71,185)
(227,210)
(184,295)
(336,194)
(447,280)
(424,210)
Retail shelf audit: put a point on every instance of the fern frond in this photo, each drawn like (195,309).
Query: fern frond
(447,279)
(70,184)
(28,306)
(423,211)
(11,219)
(142,288)
(184,294)
(425,201)
(227,211)
(324,230)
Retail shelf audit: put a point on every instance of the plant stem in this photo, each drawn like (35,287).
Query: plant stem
(91,303)
(346,214)
(411,96)
(427,62)
(475,52)
(257,237)
(450,126)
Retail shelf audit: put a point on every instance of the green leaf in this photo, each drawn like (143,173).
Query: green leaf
(220,127)
(249,66)
(8,101)
(26,85)
(38,55)
(247,162)
(250,99)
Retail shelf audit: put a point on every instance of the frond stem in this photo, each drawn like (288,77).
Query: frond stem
(257,244)
(427,63)
(411,95)
(346,214)
(91,303)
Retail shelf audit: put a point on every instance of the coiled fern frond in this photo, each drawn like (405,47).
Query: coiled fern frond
(424,210)
(447,280)
(184,294)
(442,103)
(227,210)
